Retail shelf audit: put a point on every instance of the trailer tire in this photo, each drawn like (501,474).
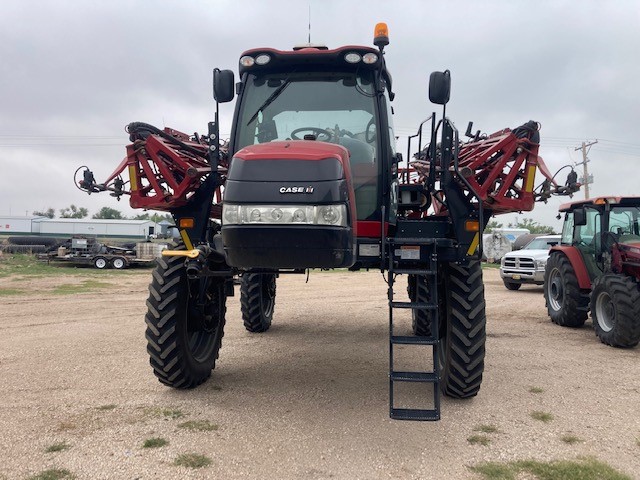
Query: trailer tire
(512,285)
(183,341)
(566,303)
(462,330)
(257,300)
(615,310)
(100,263)
(118,263)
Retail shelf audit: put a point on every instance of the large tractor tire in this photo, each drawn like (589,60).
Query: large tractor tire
(566,303)
(615,310)
(462,329)
(418,290)
(185,324)
(257,300)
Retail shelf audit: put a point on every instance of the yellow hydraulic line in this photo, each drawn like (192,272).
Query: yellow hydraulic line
(181,253)
(186,239)
(474,244)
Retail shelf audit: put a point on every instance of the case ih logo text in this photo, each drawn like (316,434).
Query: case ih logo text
(296,189)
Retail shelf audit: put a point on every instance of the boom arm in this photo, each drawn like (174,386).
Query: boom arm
(498,169)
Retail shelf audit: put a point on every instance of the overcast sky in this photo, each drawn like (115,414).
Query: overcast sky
(74,73)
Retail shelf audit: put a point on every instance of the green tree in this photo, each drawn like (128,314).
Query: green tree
(49,213)
(154,217)
(108,213)
(492,225)
(73,212)
(532,226)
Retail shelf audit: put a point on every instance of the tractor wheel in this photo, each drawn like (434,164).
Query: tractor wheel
(118,263)
(185,324)
(418,290)
(100,263)
(257,300)
(615,310)
(462,329)
(512,285)
(567,305)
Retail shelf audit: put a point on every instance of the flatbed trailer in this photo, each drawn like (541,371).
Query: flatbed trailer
(100,261)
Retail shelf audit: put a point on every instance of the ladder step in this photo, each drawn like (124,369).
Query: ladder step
(425,377)
(414,305)
(413,340)
(414,414)
(412,271)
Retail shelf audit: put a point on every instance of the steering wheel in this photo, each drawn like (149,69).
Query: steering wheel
(369,133)
(328,134)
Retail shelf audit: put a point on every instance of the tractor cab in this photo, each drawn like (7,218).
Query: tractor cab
(604,231)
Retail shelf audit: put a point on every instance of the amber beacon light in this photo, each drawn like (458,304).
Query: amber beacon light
(381,35)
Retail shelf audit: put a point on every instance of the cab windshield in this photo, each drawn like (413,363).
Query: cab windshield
(335,107)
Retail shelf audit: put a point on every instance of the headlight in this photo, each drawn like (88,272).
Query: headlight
(541,264)
(334,215)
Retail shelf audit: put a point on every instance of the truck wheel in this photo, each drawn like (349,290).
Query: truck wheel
(418,290)
(118,263)
(257,300)
(185,324)
(100,263)
(512,285)
(566,304)
(615,310)
(462,329)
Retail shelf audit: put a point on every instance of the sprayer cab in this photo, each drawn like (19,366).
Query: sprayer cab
(311,149)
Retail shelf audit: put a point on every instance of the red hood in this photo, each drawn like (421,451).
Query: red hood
(309,150)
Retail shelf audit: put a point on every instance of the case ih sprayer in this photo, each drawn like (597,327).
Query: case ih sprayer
(310,179)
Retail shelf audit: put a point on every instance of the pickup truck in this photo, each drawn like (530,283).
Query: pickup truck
(527,265)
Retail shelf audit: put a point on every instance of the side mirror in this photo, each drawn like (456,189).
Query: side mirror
(440,87)
(223,85)
(579,217)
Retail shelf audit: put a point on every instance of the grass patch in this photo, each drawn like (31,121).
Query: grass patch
(57,447)
(571,439)
(66,426)
(83,287)
(108,407)
(192,460)
(638,441)
(155,442)
(583,469)
(479,440)
(199,425)
(536,390)
(172,413)
(22,265)
(6,292)
(486,429)
(53,474)
(545,417)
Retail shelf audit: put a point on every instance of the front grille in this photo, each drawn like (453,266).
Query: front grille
(519,262)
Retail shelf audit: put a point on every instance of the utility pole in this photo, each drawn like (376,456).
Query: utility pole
(585,179)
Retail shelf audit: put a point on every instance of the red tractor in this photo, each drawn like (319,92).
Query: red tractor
(597,268)
(310,178)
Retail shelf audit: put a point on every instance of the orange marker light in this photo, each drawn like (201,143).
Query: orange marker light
(186,223)
(472,226)
(381,35)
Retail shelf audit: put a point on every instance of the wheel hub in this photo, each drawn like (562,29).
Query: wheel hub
(605,312)
(556,291)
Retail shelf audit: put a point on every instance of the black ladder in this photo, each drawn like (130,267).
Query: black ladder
(396,266)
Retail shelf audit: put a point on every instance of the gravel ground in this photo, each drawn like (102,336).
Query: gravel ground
(308,399)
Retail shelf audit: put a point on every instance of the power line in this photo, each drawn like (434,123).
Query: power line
(585,150)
